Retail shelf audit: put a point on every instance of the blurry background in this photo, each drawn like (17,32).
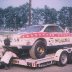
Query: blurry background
(14,14)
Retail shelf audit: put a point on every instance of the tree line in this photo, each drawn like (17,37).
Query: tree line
(18,17)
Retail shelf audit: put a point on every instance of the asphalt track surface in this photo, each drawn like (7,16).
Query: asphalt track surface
(52,68)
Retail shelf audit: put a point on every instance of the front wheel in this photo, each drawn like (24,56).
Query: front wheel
(63,59)
(38,50)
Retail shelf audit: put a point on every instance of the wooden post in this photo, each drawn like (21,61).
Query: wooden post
(29,12)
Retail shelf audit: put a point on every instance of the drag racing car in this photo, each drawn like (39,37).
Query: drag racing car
(39,40)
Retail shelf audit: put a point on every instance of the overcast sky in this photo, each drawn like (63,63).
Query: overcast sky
(57,4)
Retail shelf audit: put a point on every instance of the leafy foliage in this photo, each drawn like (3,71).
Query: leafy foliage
(19,16)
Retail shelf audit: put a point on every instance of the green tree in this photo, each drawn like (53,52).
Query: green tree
(37,16)
(50,15)
(1,17)
(65,16)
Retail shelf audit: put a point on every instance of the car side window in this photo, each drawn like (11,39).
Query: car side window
(53,29)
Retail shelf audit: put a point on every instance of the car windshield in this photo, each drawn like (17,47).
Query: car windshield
(32,29)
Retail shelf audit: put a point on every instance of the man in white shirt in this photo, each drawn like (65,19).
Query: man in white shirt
(8,55)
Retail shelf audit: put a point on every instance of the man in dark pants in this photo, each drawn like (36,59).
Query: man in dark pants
(8,55)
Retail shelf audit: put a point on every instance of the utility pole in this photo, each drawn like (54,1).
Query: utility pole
(29,12)
(15,22)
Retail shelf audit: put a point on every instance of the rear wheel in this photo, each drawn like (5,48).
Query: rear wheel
(70,58)
(63,59)
(38,50)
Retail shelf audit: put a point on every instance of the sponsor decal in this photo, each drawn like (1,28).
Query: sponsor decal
(62,40)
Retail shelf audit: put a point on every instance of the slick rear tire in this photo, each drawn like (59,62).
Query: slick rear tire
(38,50)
